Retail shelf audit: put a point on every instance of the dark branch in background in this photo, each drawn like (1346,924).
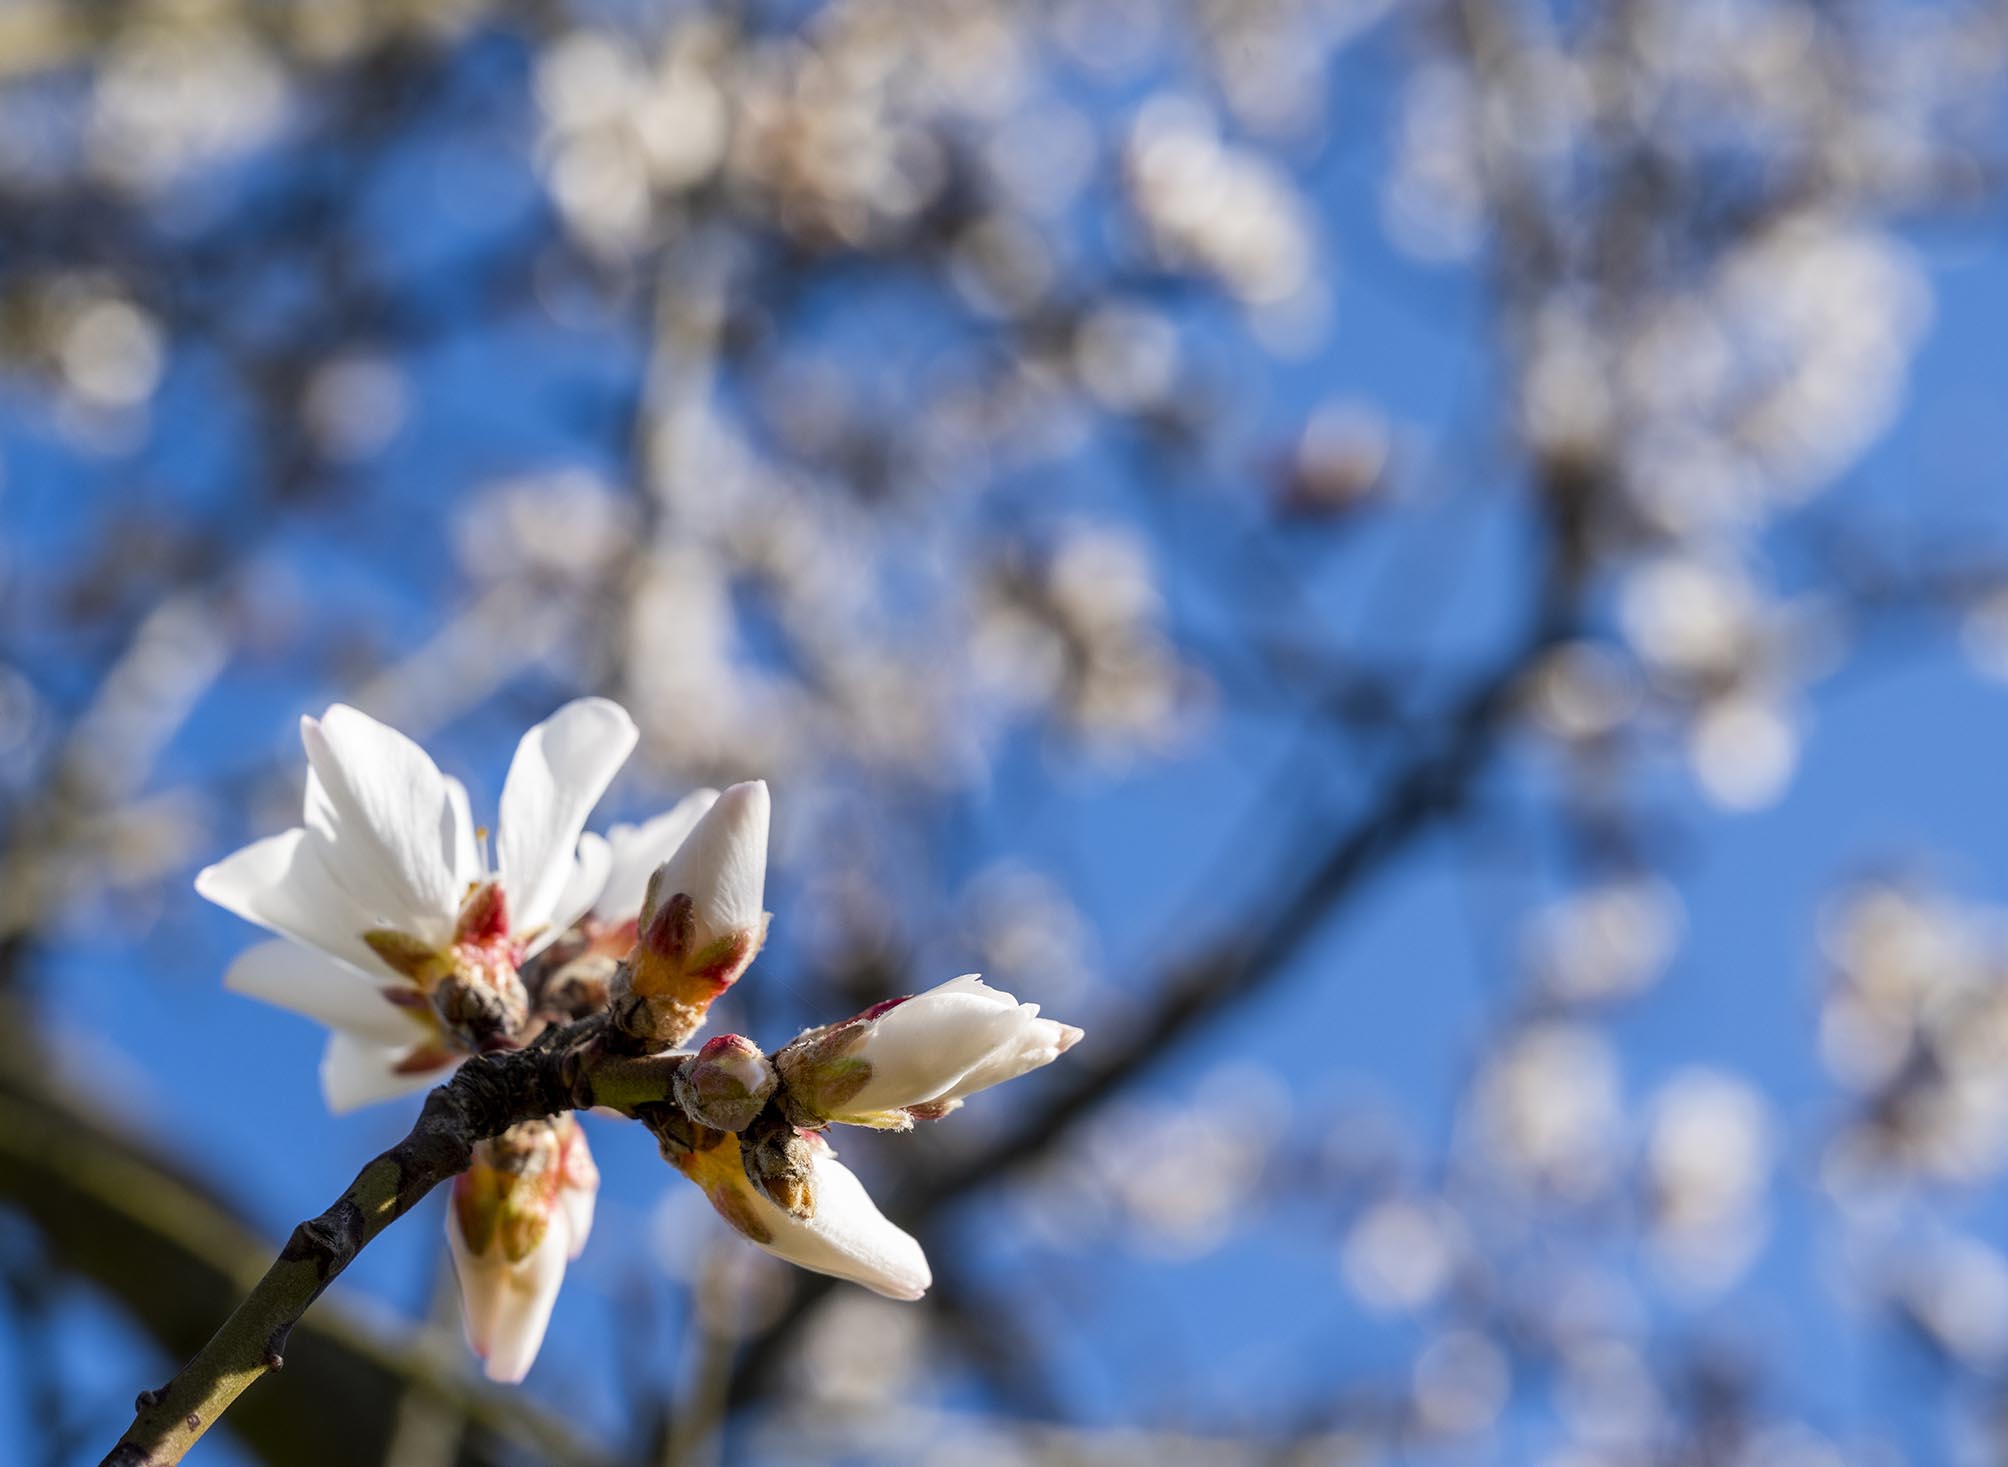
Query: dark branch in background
(486,1096)
(178,1258)
(1431,785)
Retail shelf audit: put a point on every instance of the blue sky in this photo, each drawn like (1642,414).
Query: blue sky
(1900,768)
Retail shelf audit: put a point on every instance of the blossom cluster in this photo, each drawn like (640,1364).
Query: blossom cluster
(399,933)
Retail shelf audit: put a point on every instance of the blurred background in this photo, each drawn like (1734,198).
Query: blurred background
(1434,574)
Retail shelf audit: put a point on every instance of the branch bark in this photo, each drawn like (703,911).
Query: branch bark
(567,1069)
(173,1253)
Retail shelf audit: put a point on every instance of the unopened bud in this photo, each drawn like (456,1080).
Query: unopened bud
(726,1083)
(520,1210)
(821,1071)
(916,1058)
(780,1161)
(504,1201)
(577,987)
(842,1234)
(701,922)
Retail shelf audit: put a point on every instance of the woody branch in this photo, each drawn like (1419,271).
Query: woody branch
(570,1068)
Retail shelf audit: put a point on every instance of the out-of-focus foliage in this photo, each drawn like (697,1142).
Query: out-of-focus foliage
(1126,470)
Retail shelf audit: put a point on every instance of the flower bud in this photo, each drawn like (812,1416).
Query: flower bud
(701,922)
(844,1235)
(917,1058)
(726,1083)
(576,987)
(517,1214)
(780,1160)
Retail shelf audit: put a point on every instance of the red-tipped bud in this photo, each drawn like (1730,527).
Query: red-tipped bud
(701,922)
(726,1083)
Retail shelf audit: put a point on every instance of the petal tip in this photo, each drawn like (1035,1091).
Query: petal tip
(503,1371)
(913,1285)
(749,799)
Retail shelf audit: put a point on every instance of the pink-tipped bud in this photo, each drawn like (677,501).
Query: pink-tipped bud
(701,921)
(726,1083)
(517,1214)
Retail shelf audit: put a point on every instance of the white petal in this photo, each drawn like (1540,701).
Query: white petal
(639,849)
(589,876)
(507,1307)
(561,769)
(576,1214)
(579,1184)
(848,1237)
(317,811)
(463,851)
(356,1072)
(332,993)
(384,822)
(1040,1042)
(281,884)
(919,1050)
(973,984)
(722,864)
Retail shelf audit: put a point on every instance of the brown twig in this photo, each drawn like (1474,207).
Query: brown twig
(567,1069)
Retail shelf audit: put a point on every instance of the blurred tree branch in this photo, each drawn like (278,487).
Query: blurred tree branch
(1432,783)
(565,1069)
(177,1257)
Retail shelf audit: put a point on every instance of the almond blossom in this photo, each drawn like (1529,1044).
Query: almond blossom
(518,1215)
(701,921)
(918,1058)
(844,1234)
(398,935)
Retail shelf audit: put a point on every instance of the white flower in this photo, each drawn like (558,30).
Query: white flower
(845,1235)
(384,896)
(701,921)
(720,866)
(516,1217)
(920,1057)
(637,850)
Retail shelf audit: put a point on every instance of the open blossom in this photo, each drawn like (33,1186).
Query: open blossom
(398,935)
(919,1057)
(701,921)
(517,1216)
(843,1235)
